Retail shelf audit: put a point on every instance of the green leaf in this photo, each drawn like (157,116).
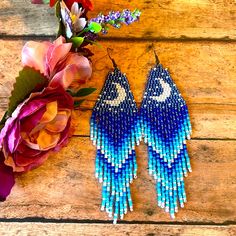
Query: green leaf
(58,10)
(84,92)
(3,120)
(28,81)
(77,41)
(95,27)
(61,30)
(78,103)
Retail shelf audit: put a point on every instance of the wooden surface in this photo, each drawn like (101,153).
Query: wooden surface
(213,19)
(196,40)
(68,189)
(67,229)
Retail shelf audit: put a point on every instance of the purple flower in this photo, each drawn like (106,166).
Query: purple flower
(116,18)
(90,36)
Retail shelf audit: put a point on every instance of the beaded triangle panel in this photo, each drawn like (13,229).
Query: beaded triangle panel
(166,126)
(115,130)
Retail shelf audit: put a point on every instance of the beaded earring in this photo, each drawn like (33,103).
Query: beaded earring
(166,126)
(115,130)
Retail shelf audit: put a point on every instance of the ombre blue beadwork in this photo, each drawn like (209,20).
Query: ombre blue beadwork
(115,130)
(166,126)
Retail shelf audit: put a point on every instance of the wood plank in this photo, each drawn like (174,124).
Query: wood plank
(65,187)
(210,84)
(67,229)
(199,80)
(208,121)
(168,19)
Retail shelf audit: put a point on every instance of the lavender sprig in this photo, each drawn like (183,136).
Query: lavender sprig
(116,18)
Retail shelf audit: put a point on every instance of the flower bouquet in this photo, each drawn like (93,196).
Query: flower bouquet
(38,120)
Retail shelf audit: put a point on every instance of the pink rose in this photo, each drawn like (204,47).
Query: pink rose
(38,126)
(42,123)
(57,63)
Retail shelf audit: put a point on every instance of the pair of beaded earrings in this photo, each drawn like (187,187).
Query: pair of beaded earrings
(117,126)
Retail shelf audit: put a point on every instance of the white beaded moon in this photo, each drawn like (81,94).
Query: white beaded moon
(120,98)
(165,93)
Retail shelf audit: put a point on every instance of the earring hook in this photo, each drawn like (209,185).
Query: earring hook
(155,53)
(108,53)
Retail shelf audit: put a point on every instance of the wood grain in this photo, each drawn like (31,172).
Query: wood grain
(160,19)
(199,80)
(190,38)
(67,229)
(212,81)
(65,187)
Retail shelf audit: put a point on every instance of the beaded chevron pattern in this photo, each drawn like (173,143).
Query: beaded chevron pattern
(115,130)
(166,126)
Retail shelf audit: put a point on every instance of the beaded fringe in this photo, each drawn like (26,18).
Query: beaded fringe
(115,130)
(166,126)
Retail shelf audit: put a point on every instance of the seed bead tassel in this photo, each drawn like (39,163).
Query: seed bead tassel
(166,126)
(115,129)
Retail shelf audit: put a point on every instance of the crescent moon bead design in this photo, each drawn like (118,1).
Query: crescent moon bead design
(165,94)
(120,98)
(116,95)
(161,91)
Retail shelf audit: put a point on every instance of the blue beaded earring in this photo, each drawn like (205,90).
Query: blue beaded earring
(115,130)
(166,126)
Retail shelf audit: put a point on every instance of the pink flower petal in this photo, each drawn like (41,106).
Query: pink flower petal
(47,140)
(28,143)
(34,55)
(51,112)
(57,54)
(14,137)
(23,163)
(29,107)
(23,148)
(65,77)
(28,123)
(60,40)
(22,160)
(59,123)
(84,68)
(64,137)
